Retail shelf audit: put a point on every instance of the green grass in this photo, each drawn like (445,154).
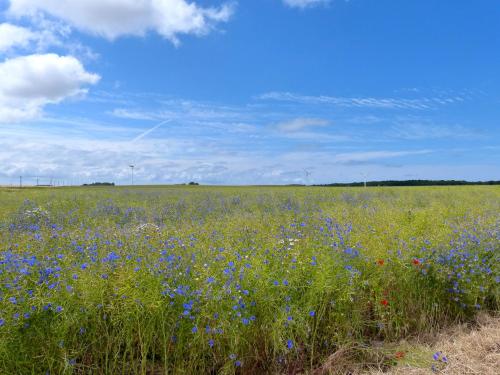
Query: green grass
(235,279)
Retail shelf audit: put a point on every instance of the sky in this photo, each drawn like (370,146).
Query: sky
(248,91)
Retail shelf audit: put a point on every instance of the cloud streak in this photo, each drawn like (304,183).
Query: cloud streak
(301,123)
(304,3)
(149,131)
(362,102)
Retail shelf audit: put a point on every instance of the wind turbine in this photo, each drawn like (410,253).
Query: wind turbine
(131,166)
(364,174)
(307,174)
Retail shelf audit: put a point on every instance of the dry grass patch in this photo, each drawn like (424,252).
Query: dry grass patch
(468,350)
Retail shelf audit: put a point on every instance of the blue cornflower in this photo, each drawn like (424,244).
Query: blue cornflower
(13,300)
(59,309)
(276,282)
(210,280)
(312,313)
(237,363)
(289,344)
(194,329)
(2,322)
(211,343)
(245,321)
(436,356)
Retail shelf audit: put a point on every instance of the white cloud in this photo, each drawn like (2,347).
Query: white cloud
(362,102)
(304,3)
(86,152)
(12,36)
(300,124)
(182,110)
(41,36)
(375,155)
(31,82)
(421,129)
(114,18)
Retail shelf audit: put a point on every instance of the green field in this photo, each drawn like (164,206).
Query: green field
(236,279)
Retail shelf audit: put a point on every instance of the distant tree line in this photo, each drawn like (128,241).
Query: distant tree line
(415,183)
(100,184)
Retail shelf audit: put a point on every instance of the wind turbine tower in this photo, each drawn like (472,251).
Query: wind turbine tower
(132,169)
(307,174)
(364,178)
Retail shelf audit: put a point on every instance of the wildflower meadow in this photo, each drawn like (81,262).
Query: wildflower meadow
(223,280)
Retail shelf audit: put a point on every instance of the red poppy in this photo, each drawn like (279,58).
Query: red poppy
(380,262)
(384,302)
(416,261)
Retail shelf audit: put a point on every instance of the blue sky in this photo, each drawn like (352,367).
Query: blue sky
(249,92)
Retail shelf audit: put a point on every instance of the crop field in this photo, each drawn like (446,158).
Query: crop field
(251,280)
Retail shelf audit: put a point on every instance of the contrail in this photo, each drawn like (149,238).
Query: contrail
(142,135)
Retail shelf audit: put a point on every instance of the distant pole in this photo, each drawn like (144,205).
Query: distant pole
(132,169)
(20,181)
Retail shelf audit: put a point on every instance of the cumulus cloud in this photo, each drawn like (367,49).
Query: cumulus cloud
(12,36)
(31,82)
(301,124)
(304,3)
(114,18)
